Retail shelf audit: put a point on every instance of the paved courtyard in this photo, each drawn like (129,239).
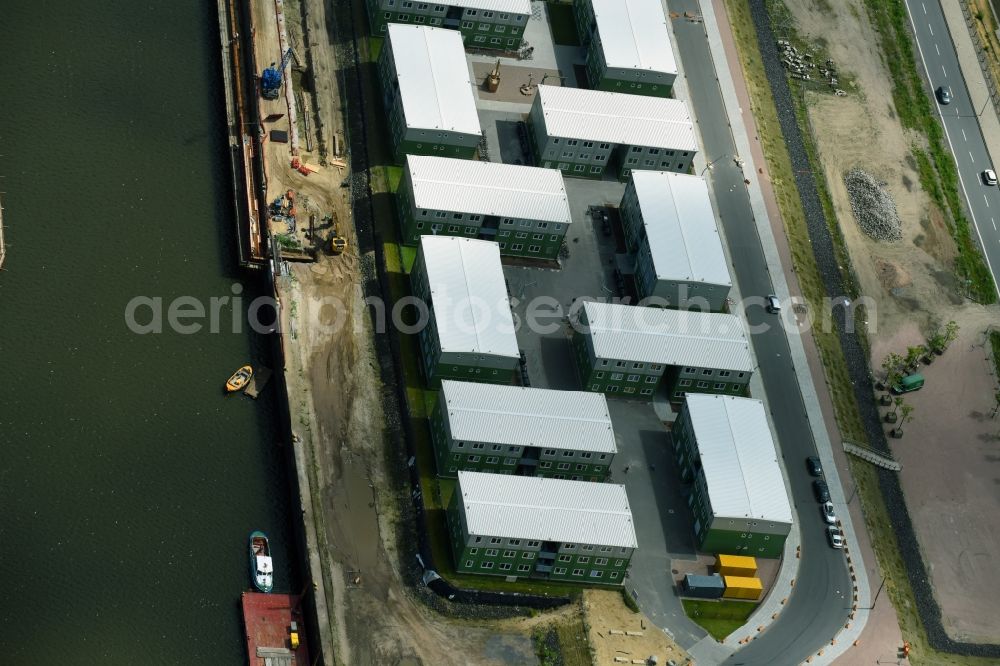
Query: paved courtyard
(663,521)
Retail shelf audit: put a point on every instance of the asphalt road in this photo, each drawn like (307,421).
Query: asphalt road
(961,123)
(820,601)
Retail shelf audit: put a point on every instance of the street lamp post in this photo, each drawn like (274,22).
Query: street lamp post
(985,104)
(709,165)
(853,493)
(879,591)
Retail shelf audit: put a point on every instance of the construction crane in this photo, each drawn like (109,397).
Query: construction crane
(270,80)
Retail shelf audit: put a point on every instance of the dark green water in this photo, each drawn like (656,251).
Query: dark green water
(128,482)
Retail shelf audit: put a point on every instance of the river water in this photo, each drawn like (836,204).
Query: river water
(128,482)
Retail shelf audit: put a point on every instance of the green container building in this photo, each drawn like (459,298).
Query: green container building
(725,450)
(670,229)
(523,431)
(524,209)
(465,327)
(534,527)
(632,351)
(584,132)
(482,24)
(628,46)
(427,93)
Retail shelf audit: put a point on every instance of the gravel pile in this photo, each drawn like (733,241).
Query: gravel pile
(873,208)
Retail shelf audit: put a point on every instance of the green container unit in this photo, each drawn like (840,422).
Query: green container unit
(628,46)
(524,209)
(427,93)
(585,132)
(542,528)
(523,431)
(913,382)
(725,450)
(455,278)
(483,25)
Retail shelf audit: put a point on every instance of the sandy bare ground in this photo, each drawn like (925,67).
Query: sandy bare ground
(607,618)
(950,472)
(951,476)
(334,396)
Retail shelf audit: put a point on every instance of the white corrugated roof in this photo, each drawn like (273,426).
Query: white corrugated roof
(680,227)
(534,507)
(671,337)
(469,296)
(488,188)
(738,458)
(433,76)
(512,6)
(634,35)
(520,416)
(599,115)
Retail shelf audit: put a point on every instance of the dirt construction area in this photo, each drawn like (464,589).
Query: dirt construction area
(951,450)
(615,631)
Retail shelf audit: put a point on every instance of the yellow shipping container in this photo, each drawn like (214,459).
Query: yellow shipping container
(742,587)
(736,565)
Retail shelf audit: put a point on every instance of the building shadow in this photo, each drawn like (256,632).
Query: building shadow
(669,492)
(558,363)
(513,139)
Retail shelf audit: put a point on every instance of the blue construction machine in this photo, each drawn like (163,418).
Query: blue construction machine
(270,80)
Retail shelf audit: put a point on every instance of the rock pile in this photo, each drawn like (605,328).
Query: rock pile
(872,206)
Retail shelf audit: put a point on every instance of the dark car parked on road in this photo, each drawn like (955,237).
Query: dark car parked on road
(812,464)
(821,490)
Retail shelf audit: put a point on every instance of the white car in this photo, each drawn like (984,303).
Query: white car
(772,304)
(990,177)
(828,515)
(835,537)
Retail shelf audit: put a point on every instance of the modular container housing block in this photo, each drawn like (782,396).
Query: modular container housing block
(524,431)
(486,24)
(583,132)
(427,92)
(725,450)
(628,46)
(468,331)
(529,526)
(670,227)
(525,209)
(631,350)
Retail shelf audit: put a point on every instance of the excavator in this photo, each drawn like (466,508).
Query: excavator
(270,80)
(338,244)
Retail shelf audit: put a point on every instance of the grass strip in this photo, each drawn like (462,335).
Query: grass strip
(995,346)
(718,618)
(573,642)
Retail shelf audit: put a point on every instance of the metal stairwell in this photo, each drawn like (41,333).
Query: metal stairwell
(872,456)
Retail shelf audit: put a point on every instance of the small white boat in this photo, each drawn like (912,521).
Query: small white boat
(261,566)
